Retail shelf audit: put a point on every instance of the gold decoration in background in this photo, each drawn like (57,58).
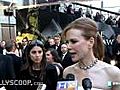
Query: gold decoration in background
(28,35)
(33,18)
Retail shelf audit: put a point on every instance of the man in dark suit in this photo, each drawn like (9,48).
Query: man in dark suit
(17,61)
(65,56)
(6,71)
(57,39)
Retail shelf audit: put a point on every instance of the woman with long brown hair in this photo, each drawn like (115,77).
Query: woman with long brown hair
(36,68)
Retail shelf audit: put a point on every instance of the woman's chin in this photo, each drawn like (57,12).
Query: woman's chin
(37,62)
(74,59)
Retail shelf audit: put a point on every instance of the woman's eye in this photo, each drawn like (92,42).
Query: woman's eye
(47,54)
(39,51)
(73,41)
(33,52)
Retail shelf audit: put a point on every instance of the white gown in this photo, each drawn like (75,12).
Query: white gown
(101,75)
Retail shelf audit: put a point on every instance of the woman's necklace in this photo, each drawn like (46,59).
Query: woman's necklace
(89,66)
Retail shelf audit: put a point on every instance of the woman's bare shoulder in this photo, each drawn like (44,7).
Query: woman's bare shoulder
(72,67)
(112,71)
(69,70)
(108,67)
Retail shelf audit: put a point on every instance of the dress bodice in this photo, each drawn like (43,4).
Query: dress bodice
(100,74)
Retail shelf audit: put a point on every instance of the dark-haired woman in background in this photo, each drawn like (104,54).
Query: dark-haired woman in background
(53,58)
(36,68)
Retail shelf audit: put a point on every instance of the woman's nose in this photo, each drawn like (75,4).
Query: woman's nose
(69,46)
(37,54)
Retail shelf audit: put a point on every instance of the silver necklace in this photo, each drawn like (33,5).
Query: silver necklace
(89,66)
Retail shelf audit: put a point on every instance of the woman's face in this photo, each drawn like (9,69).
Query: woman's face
(49,56)
(78,46)
(36,54)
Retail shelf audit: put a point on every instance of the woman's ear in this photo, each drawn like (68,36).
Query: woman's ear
(91,42)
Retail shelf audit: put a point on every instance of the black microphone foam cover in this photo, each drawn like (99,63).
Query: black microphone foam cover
(70,77)
(87,84)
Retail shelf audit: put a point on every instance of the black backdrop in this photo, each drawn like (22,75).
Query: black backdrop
(45,16)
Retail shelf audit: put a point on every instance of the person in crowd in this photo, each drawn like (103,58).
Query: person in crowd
(108,44)
(17,61)
(65,56)
(2,47)
(6,72)
(88,14)
(86,46)
(57,39)
(20,48)
(116,50)
(109,21)
(53,58)
(36,68)
(98,17)
(118,23)
(70,10)
(50,43)
(79,13)
(25,42)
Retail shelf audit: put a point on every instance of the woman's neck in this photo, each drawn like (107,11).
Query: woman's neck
(36,66)
(87,61)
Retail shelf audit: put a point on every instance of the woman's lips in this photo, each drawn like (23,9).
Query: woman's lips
(72,54)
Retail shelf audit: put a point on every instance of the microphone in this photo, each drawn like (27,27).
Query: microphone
(87,84)
(70,77)
(69,83)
